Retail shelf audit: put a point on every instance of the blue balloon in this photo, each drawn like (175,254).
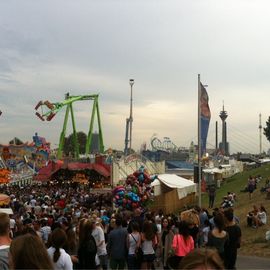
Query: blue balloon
(141,177)
(121,193)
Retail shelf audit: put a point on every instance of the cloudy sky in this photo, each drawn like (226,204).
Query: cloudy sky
(48,48)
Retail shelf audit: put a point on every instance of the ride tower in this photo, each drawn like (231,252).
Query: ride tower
(49,110)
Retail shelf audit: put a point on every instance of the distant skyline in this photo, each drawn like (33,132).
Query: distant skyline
(48,48)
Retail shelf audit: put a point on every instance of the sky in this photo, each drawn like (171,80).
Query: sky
(49,48)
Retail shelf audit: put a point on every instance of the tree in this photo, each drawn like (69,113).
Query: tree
(16,141)
(266,130)
(68,144)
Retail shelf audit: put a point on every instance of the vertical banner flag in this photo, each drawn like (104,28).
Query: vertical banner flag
(205,118)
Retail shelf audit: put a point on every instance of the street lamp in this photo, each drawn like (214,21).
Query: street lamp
(131,83)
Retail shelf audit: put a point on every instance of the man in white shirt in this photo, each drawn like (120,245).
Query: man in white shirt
(98,234)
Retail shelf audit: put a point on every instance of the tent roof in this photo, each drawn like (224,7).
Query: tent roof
(213,170)
(8,211)
(183,185)
(46,172)
(174,181)
(177,164)
(100,168)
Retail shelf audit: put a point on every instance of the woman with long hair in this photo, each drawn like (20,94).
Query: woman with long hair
(148,238)
(28,252)
(166,240)
(261,218)
(218,237)
(59,257)
(182,244)
(87,246)
(133,245)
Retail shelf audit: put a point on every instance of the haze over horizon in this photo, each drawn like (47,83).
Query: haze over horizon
(50,47)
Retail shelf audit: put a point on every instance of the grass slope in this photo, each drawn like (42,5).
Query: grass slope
(253,240)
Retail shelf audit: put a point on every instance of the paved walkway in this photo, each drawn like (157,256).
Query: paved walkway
(247,262)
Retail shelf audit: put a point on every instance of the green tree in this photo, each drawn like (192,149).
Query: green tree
(266,130)
(68,144)
(16,141)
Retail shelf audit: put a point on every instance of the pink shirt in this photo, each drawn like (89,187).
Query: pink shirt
(182,247)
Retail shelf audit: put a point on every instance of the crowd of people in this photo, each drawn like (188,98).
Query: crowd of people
(68,228)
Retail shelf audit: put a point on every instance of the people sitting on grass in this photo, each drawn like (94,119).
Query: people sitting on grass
(257,217)
(261,218)
(232,196)
(252,215)
(266,186)
(228,201)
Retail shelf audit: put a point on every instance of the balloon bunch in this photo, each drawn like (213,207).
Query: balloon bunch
(118,195)
(137,191)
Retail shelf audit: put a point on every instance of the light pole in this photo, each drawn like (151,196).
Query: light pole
(131,82)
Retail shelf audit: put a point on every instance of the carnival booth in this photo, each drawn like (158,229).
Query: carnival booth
(173,193)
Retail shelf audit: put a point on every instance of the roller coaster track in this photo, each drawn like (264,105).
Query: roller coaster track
(167,145)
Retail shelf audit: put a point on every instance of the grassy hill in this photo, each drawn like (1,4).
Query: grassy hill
(253,240)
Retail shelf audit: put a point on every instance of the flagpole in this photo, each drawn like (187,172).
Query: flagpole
(199,143)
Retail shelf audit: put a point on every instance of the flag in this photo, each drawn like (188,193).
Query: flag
(205,117)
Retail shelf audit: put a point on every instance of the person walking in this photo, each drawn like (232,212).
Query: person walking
(133,245)
(148,242)
(234,242)
(28,252)
(116,246)
(251,186)
(218,237)
(87,247)
(166,240)
(59,257)
(98,234)
(183,243)
(211,195)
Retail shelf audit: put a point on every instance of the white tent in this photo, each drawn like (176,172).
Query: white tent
(213,170)
(6,211)
(183,185)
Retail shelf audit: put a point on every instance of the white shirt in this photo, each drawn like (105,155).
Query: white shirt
(205,231)
(12,223)
(98,234)
(64,261)
(33,203)
(147,247)
(45,232)
(262,216)
(133,240)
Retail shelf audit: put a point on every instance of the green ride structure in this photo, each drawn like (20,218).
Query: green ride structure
(48,110)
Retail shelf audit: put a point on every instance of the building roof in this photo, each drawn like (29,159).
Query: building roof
(46,172)
(178,164)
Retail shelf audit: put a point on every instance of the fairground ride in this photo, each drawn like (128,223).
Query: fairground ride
(167,145)
(47,110)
